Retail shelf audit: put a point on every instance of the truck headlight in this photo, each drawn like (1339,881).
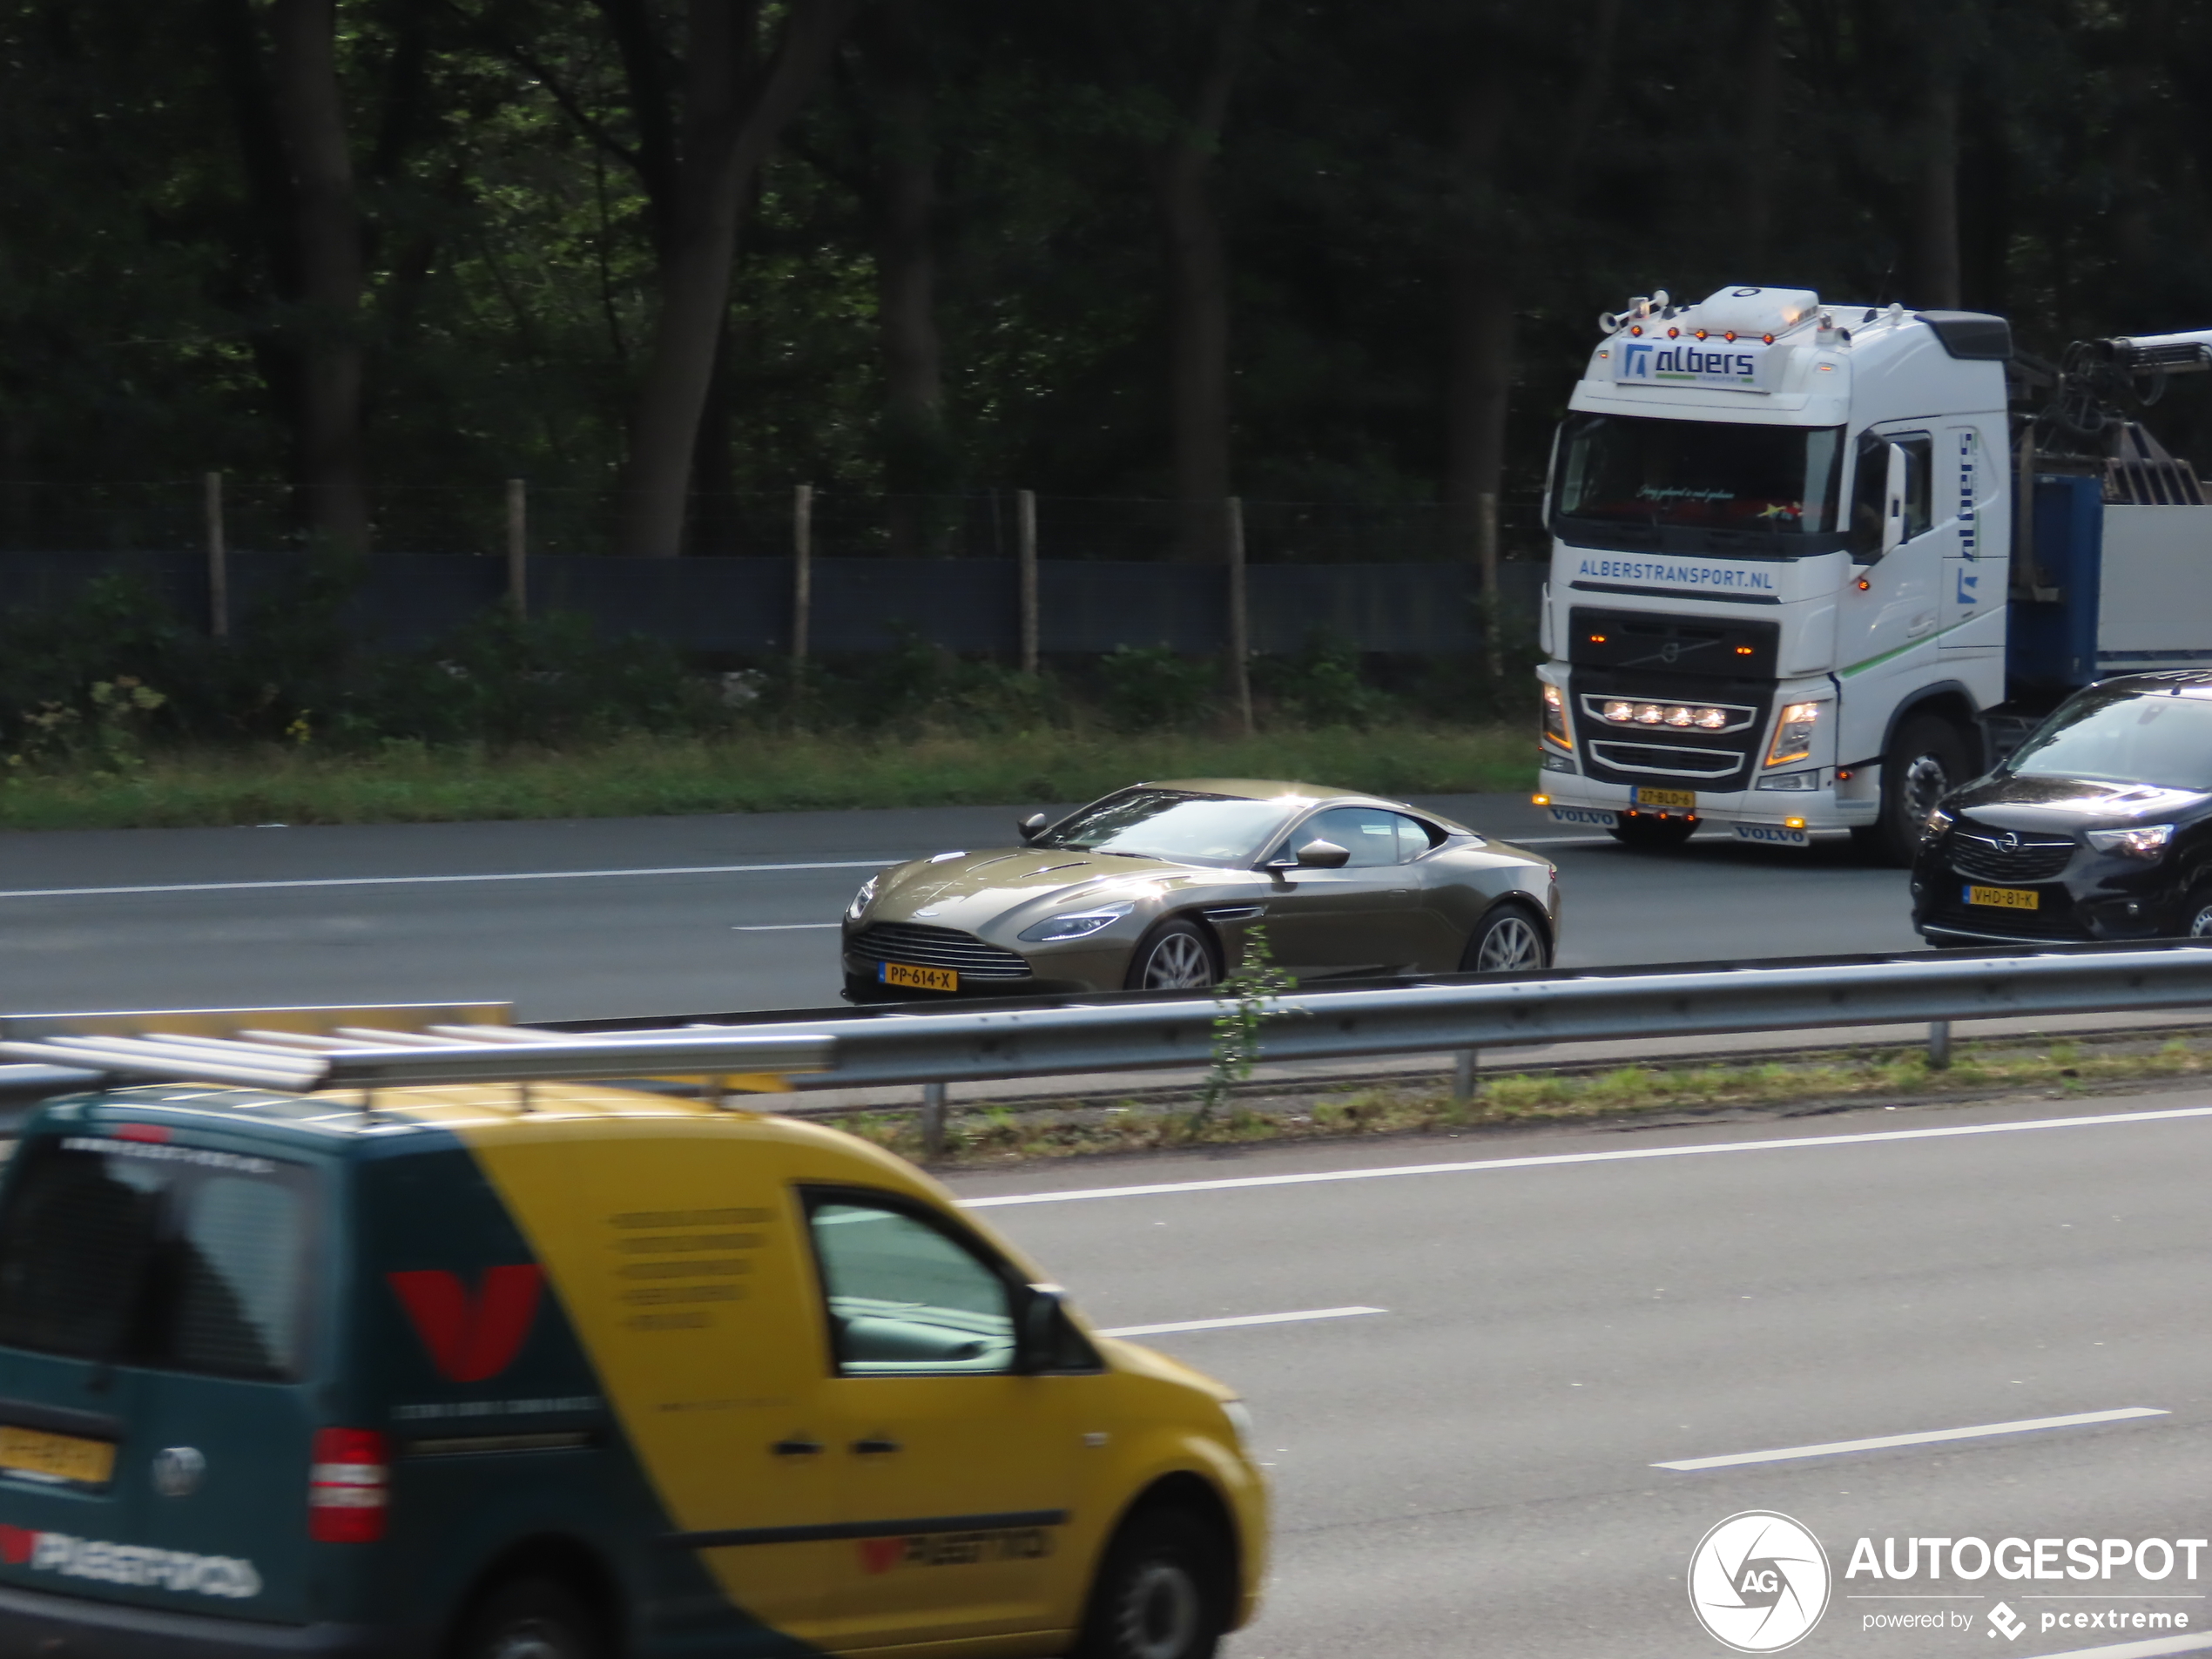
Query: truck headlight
(2145,843)
(1793,734)
(1555,716)
(863,899)
(1078,923)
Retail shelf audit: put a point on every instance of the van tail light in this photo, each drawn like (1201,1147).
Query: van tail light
(349,1487)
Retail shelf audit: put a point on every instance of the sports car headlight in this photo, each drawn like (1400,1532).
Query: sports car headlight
(1077,923)
(1556,716)
(2145,843)
(1793,734)
(861,900)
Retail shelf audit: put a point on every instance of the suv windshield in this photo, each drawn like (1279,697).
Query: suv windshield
(1697,486)
(147,1252)
(2125,736)
(1181,824)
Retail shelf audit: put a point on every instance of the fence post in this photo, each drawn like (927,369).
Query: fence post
(218,558)
(802,569)
(518,549)
(1239,635)
(1463,1079)
(1025,519)
(932,1120)
(1938,1045)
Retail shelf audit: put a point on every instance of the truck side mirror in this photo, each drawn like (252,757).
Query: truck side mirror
(1894,499)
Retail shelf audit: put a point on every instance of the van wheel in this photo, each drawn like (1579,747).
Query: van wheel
(529,1618)
(1162,1593)
(1926,760)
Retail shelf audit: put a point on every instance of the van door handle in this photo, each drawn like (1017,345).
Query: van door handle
(874,1444)
(797,1445)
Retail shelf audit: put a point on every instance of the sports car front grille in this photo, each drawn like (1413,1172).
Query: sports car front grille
(907,941)
(1998,855)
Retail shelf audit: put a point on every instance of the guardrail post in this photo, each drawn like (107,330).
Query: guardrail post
(1463,1080)
(932,1120)
(1938,1045)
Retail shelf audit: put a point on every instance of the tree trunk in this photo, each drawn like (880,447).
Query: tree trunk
(915,458)
(1762,148)
(1479,366)
(1938,251)
(1197,272)
(326,220)
(730,119)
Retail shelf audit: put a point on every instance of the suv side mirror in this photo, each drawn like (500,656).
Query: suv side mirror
(1030,827)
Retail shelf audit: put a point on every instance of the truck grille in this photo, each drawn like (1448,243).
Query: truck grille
(1998,855)
(907,941)
(1664,760)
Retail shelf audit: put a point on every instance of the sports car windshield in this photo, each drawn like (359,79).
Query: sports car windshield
(1176,824)
(1687,486)
(2125,736)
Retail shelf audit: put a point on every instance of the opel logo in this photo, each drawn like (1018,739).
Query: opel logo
(176,1471)
(2010,841)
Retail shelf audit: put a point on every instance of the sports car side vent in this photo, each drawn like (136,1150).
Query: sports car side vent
(1235,912)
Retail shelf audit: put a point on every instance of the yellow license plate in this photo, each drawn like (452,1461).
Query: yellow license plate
(1685,799)
(56,1457)
(2006,898)
(921,978)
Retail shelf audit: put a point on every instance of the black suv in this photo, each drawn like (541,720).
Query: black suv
(2099,826)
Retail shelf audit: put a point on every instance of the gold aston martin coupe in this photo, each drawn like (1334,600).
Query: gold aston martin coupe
(1158,885)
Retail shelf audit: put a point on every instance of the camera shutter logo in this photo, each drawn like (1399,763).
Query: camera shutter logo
(1758,1582)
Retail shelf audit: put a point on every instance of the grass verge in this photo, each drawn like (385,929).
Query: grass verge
(409,783)
(1007,1133)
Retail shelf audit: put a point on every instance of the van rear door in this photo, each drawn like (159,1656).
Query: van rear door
(168,1286)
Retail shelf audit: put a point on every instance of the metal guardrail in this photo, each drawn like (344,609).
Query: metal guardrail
(304,1049)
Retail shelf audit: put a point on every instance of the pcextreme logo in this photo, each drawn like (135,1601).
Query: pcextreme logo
(470,1339)
(1758,1582)
(133,1564)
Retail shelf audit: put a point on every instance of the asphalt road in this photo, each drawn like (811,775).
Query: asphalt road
(618,917)
(1470,1471)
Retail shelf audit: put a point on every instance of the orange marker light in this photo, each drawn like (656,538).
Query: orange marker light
(1597,639)
(1743,651)
(1864,585)
(1700,333)
(1540,800)
(1793,823)
(1767,337)
(1674,334)
(1729,336)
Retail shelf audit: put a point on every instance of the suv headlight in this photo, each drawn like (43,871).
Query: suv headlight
(1793,734)
(2145,843)
(1556,716)
(1937,821)
(1078,923)
(863,899)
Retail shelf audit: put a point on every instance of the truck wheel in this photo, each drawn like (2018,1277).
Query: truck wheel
(1651,834)
(1163,1592)
(528,1618)
(1508,941)
(1926,760)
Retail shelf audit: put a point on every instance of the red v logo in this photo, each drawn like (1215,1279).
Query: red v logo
(470,1342)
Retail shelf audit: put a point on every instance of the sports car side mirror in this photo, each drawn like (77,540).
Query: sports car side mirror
(1323,855)
(1031,826)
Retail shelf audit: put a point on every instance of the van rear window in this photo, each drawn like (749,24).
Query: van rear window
(151,1253)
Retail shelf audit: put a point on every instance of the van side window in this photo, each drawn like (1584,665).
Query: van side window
(906,1298)
(237,1277)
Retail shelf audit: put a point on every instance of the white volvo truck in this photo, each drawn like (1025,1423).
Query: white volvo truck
(1790,591)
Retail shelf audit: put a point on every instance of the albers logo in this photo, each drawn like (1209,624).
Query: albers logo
(1758,1582)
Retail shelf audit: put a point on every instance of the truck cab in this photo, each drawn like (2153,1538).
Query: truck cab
(1779,569)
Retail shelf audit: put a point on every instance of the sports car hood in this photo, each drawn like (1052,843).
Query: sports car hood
(2033,801)
(965,890)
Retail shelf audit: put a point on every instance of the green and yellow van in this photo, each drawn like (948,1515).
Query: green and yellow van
(570,1372)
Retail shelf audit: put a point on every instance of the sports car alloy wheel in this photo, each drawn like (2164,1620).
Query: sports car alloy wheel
(1510,945)
(1176,961)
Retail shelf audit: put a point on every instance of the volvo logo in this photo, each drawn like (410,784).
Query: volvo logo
(176,1471)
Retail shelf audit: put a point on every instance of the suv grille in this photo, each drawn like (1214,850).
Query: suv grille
(906,941)
(1996,855)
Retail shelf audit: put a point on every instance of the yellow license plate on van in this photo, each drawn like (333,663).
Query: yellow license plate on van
(1685,798)
(921,978)
(56,1457)
(2006,898)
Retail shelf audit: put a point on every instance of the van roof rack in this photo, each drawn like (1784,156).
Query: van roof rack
(301,1050)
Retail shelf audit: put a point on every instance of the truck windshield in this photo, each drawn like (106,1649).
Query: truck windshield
(1697,486)
(2125,736)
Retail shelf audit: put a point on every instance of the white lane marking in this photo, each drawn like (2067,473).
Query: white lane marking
(1241,1319)
(781,926)
(1623,1156)
(2025,1425)
(2154,1649)
(432,880)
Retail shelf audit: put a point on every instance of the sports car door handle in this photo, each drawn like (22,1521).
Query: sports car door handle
(874,1444)
(797,1445)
